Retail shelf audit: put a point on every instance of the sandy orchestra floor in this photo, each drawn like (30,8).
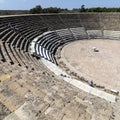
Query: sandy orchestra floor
(102,67)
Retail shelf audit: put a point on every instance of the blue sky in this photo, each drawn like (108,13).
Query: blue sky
(27,4)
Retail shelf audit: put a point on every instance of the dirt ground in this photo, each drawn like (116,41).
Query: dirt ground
(102,66)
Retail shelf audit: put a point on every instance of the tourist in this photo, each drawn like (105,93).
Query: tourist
(90,83)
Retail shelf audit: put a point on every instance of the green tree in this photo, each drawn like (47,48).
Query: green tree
(82,9)
(51,10)
(36,10)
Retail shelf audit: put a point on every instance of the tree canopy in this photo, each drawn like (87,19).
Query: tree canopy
(38,9)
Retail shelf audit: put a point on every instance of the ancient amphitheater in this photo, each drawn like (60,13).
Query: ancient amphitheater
(47,61)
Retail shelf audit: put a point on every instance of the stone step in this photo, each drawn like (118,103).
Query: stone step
(12,116)
(28,112)
(8,95)
(4,111)
(4,52)
(17,57)
(55,113)
(71,108)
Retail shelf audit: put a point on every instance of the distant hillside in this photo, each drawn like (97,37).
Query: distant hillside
(13,12)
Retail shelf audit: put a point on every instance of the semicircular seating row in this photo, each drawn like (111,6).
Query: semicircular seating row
(45,33)
(17,32)
(15,37)
(46,44)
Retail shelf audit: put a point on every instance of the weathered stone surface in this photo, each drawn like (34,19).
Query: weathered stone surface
(3,111)
(37,95)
